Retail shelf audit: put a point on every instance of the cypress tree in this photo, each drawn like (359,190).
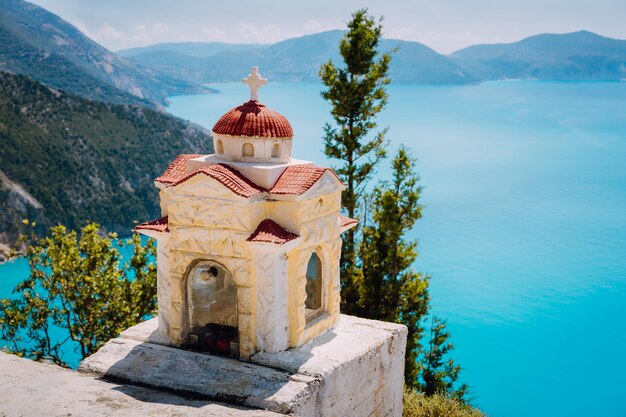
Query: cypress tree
(439,374)
(390,289)
(376,275)
(357,94)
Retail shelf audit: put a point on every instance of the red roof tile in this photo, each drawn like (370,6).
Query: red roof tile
(295,180)
(298,179)
(158,225)
(229,177)
(346,221)
(176,170)
(268,231)
(254,119)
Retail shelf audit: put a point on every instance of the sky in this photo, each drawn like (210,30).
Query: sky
(444,25)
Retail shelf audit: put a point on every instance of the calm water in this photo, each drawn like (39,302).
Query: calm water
(524,229)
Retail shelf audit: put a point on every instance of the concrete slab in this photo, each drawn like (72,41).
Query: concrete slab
(36,389)
(211,376)
(360,364)
(352,338)
(357,369)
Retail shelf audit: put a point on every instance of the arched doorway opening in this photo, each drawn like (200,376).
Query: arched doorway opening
(212,309)
(313,304)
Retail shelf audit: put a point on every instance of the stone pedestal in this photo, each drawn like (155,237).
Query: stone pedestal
(356,369)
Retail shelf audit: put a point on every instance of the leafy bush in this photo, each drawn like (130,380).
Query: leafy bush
(437,405)
(79,294)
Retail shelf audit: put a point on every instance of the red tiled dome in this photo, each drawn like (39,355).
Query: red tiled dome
(253,119)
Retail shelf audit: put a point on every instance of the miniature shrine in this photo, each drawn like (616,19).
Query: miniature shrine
(249,240)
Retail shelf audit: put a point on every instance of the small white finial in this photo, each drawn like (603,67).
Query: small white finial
(255,82)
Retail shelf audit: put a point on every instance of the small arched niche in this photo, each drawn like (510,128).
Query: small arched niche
(247,150)
(219,147)
(313,303)
(276,150)
(212,309)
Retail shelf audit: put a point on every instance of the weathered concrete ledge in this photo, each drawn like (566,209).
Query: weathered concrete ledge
(210,376)
(37,389)
(356,369)
(360,365)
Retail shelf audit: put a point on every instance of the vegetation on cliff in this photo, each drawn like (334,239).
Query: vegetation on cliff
(65,160)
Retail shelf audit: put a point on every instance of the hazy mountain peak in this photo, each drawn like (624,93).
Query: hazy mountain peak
(581,55)
(295,59)
(43,46)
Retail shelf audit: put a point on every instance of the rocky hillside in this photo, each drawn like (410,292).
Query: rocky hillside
(44,47)
(64,159)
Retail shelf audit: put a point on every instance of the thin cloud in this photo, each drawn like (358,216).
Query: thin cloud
(445,25)
(211,33)
(260,34)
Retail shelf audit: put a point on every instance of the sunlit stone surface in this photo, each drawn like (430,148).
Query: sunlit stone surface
(40,390)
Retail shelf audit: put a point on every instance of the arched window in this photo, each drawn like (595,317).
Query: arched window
(313,303)
(247,150)
(219,147)
(276,151)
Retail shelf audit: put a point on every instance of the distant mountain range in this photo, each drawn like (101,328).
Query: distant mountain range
(296,59)
(195,49)
(65,159)
(574,56)
(39,44)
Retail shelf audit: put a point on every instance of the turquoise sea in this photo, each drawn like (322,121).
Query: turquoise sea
(524,228)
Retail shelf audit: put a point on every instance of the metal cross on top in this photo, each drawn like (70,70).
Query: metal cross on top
(255,82)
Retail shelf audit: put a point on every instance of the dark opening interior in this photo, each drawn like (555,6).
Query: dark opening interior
(215,338)
(212,309)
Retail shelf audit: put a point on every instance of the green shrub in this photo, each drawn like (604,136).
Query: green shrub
(438,405)
(78,295)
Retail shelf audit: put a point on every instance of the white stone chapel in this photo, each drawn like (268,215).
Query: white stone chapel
(249,239)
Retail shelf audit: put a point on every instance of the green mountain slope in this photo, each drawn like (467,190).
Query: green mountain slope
(573,56)
(296,59)
(39,44)
(64,159)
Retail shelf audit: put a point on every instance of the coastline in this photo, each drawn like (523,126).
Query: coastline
(4,253)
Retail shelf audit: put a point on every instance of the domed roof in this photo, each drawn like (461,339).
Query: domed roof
(255,120)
